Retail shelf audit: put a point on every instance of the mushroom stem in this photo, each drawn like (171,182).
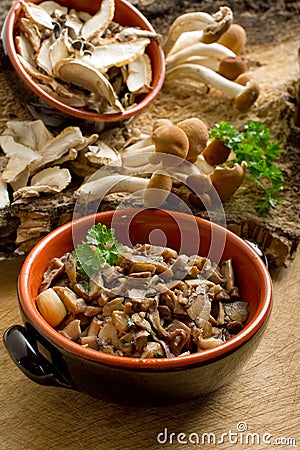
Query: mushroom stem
(97,189)
(186,22)
(214,50)
(244,96)
(209,27)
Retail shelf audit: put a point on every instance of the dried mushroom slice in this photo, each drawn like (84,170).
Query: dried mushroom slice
(59,50)
(33,134)
(101,154)
(80,74)
(49,181)
(54,8)
(37,15)
(116,54)
(24,48)
(139,74)
(70,137)
(34,72)
(43,60)
(4,196)
(32,32)
(20,159)
(98,23)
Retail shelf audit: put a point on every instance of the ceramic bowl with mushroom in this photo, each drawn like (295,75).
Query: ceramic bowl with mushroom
(164,346)
(91,62)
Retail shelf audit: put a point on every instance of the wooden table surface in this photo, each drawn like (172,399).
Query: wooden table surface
(264,397)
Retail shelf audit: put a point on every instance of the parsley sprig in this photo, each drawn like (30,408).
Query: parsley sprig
(100,248)
(253,144)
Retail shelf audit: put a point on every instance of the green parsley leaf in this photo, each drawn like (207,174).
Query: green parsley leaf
(253,144)
(100,248)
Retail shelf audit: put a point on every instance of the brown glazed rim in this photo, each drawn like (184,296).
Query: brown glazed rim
(151,364)
(158,81)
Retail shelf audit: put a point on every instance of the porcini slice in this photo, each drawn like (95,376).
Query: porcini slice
(100,21)
(116,54)
(70,137)
(49,181)
(52,7)
(37,15)
(139,74)
(79,73)
(101,154)
(4,197)
(20,159)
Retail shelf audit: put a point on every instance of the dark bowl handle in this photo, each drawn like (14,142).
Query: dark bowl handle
(22,347)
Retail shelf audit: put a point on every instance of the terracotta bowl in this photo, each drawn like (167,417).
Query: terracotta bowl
(49,358)
(43,105)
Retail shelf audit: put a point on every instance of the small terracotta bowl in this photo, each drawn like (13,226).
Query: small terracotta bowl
(43,105)
(49,358)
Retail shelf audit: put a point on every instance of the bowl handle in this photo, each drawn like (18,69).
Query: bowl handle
(22,347)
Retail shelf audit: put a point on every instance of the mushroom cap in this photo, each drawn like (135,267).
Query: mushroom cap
(235,38)
(216,152)
(169,140)
(160,122)
(231,67)
(243,78)
(247,97)
(197,133)
(227,180)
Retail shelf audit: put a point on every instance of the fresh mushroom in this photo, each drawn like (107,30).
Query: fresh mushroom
(244,96)
(215,52)
(171,145)
(216,152)
(197,134)
(157,190)
(227,180)
(235,38)
(209,27)
(231,67)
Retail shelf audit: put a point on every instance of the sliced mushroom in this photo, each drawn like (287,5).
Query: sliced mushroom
(76,72)
(32,32)
(72,330)
(37,15)
(53,8)
(139,74)
(99,22)
(4,196)
(33,134)
(48,181)
(70,137)
(21,159)
(116,54)
(100,154)
(72,302)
